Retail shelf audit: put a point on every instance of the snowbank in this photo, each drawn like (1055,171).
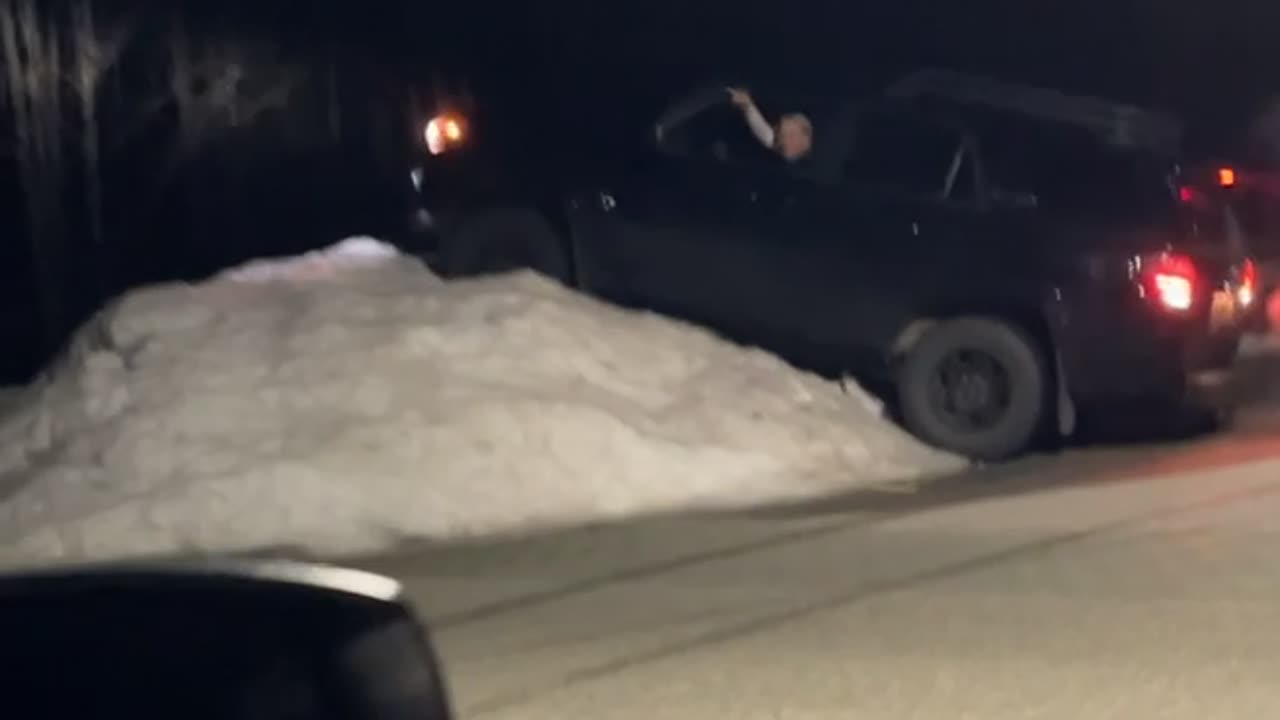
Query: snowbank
(1260,345)
(8,397)
(344,402)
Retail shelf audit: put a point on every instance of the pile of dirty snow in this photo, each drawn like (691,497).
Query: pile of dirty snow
(346,401)
(8,398)
(1260,345)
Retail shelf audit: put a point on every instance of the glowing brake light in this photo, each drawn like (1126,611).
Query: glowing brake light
(1247,293)
(1170,282)
(1176,292)
(1227,177)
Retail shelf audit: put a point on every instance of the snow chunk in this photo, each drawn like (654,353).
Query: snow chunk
(9,397)
(1260,345)
(352,253)
(349,400)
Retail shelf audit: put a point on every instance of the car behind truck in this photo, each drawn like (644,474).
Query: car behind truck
(996,260)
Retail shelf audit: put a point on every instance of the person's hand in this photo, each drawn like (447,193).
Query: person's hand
(741,98)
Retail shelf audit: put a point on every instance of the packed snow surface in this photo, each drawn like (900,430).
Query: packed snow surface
(9,397)
(345,401)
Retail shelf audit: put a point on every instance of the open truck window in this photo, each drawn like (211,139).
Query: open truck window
(716,133)
(904,154)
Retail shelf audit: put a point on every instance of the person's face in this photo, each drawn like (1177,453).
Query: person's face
(795,139)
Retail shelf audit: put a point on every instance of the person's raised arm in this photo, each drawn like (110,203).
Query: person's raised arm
(755,120)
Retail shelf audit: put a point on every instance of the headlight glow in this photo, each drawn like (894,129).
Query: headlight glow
(443,132)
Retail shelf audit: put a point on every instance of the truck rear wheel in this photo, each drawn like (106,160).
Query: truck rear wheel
(975,386)
(505,241)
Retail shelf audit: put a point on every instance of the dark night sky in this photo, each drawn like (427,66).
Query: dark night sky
(1212,61)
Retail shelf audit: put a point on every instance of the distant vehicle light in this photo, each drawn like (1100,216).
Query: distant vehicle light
(444,132)
(1227,177)
(434,138)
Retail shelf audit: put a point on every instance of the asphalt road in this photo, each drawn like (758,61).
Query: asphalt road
(1106,582)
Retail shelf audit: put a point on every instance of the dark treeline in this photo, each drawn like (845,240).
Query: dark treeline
(146,145)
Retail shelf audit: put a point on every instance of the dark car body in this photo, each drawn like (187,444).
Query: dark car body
(910,215)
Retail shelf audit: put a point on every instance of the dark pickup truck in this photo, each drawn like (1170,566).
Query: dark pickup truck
(992,259)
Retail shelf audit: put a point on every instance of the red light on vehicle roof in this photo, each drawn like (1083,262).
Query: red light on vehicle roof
(1227,177)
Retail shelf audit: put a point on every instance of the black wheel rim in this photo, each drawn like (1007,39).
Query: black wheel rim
(971,391)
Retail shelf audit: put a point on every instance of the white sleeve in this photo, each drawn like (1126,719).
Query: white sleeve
(759,126)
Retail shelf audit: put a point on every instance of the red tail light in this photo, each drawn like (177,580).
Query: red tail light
(1248,290)
(1169,281)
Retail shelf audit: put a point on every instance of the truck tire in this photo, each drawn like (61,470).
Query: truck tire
(975,386)
(505,241)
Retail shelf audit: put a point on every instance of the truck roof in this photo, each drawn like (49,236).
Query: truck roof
(1113,123)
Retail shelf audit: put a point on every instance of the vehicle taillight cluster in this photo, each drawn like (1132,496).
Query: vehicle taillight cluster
(1170,281)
